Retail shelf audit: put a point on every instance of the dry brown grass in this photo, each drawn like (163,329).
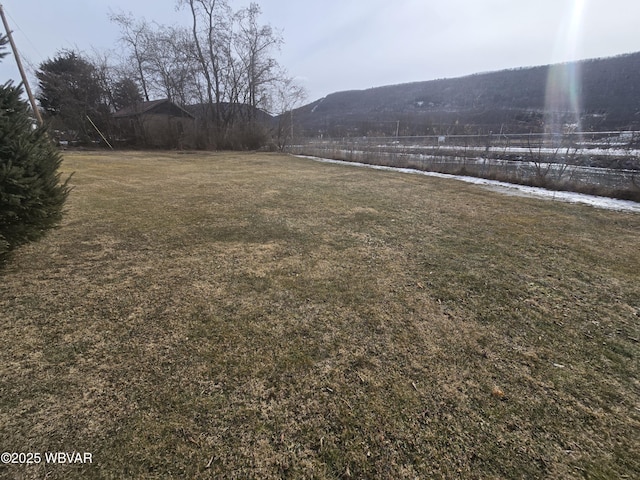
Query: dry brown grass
(262,316)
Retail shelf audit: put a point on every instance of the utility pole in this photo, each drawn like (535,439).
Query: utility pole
(36,112)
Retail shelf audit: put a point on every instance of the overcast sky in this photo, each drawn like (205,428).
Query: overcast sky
(335,45)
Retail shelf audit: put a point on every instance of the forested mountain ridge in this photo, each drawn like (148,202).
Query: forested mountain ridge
(607,92)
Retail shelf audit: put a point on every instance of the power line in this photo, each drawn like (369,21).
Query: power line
(36,112)
(17,25)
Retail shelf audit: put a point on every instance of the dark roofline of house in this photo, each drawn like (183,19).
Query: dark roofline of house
(145,107)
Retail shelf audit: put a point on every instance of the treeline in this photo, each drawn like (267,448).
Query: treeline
(590,95)
(222,66)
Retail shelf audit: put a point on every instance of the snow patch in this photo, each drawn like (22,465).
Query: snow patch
(318,104)
(506,188)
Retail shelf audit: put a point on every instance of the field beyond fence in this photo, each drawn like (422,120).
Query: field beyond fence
(603,163)
(262,316)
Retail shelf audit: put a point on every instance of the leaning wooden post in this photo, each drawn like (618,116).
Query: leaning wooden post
(36,112)
(98,130)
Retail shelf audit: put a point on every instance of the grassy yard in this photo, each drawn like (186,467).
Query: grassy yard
(263,316)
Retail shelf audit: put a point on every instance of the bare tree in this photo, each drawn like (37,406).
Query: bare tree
(254,44)
(211,26)
(223,63)
(105,74)
(135,35)
(169,67)
(288,96)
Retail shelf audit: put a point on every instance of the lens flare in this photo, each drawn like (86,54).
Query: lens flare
(564,89)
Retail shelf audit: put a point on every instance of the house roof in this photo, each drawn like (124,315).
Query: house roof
(163,106)
(201,110)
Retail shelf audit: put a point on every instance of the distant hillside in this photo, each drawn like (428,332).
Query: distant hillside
(509,100)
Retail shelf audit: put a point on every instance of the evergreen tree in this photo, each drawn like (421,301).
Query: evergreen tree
(31,194)
(126,93)
(69,92)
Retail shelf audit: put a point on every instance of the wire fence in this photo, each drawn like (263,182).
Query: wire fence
(603,163)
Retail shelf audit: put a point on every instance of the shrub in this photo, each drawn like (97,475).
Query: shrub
(31,194)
